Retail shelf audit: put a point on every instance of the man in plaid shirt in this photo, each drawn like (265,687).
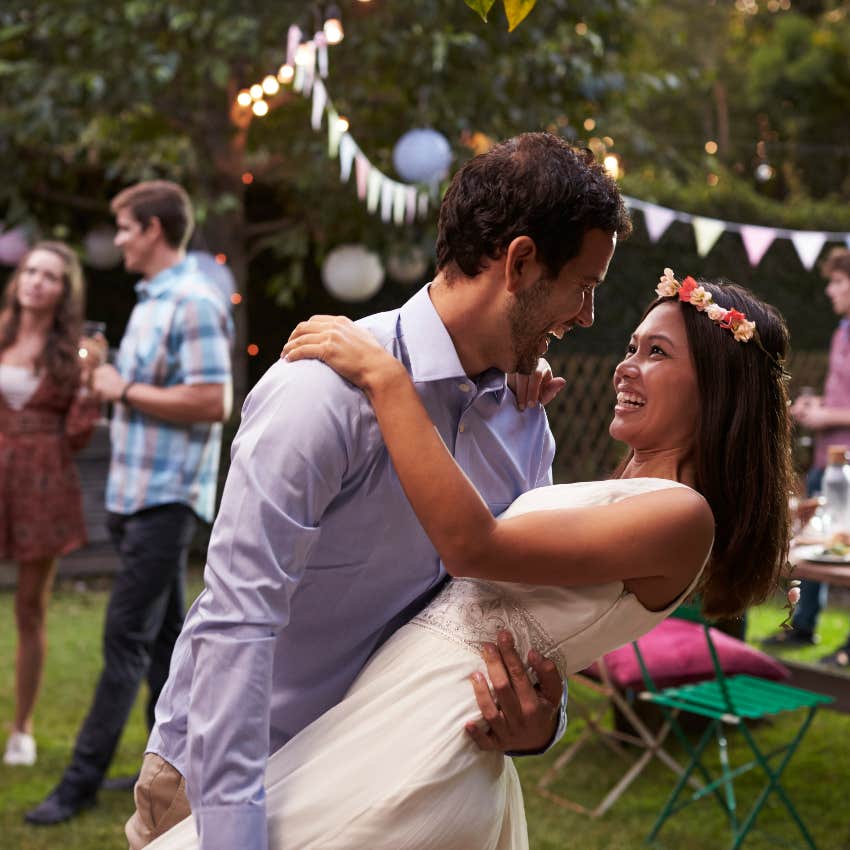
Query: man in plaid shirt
(171,390)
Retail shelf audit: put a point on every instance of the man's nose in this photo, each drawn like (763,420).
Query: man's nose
(585,316)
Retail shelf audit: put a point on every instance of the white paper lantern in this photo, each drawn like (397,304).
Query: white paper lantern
(13,246)
(407,264)
(217,274)
(99,244)
(352,273)
(422,156)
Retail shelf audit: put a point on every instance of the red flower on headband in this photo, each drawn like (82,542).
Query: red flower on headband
(687,287)
(731,319)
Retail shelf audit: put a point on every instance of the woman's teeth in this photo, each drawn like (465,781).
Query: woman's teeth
(630,399)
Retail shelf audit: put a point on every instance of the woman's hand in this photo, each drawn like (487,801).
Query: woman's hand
(349,350)
(541,386)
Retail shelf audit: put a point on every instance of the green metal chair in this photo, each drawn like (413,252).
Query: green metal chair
(729,701)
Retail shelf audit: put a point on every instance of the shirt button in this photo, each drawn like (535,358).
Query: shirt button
(463,388)
(462,428)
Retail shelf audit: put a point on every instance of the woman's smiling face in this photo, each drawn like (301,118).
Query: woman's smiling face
(656,384)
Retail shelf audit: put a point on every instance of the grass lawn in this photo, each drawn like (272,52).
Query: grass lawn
(817,780)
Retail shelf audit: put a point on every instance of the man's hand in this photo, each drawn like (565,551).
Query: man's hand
(541,386)
(107,382)
(520,716)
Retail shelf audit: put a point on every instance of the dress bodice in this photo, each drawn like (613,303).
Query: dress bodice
(570,625)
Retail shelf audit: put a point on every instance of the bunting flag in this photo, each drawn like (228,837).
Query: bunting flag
(361,174)
(808,245)
(757,239)
(657,219)
(320,101)
(373,189)
(399,203)
(321,42)
(707,231)
(334,132)
(386,199)
(347,150)
(293,39)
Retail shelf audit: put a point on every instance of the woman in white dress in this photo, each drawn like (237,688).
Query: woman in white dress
(700,504)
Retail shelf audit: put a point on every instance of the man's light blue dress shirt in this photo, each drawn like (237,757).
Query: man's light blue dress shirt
(314,557)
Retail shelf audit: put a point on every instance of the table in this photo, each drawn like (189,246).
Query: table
(836,574)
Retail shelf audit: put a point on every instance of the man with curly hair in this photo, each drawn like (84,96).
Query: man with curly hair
(316,556)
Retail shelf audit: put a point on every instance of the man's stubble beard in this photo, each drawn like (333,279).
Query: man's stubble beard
(525,318)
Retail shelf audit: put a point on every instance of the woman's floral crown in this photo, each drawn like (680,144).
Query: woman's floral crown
(688,290)
(731,320)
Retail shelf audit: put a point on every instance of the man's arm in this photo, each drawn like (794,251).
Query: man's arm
(288,461)
(182,404)
(200,340)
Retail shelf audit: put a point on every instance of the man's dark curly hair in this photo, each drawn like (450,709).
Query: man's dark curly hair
(535,185)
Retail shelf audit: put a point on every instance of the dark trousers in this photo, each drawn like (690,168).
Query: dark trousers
(143,620)
(813,594)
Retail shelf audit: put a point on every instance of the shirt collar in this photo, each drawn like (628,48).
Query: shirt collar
(160,283)
(430,350)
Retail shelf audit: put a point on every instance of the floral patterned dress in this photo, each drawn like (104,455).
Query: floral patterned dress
(41,511)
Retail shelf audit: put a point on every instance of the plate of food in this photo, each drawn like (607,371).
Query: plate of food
(836,550)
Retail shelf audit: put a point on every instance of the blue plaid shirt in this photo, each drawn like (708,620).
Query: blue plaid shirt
(179,333)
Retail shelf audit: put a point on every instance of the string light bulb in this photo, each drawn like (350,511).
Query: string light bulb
(270,85)
(256,91)
(244,98)
(333,26)
(303,52)
(260,108)
(612,165)
(342,124)
(285,73)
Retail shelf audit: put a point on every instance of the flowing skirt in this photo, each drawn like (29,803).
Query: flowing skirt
(391,767)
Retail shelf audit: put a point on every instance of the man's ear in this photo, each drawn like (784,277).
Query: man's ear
(154,227)
(522,264)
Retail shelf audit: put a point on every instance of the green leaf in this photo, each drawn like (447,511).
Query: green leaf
(481,6)
(517,11)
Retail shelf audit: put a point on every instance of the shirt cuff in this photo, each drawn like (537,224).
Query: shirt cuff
(559,731)
(227,827)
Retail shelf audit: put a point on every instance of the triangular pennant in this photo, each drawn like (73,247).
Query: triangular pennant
(808,244)
(706,232)
(386,198)
(347,149)
(399,202)
(756,241)
(293,39)
(373,189)
(320,99)
(410,213)
(298,79)
(657,220)
(362,167)
(333,132)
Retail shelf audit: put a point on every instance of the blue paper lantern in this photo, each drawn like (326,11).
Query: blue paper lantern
(422,156)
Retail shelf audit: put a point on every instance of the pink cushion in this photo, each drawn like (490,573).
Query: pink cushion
(676,653)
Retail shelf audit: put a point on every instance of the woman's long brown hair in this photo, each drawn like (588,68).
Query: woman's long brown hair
(59,356)
(742,449)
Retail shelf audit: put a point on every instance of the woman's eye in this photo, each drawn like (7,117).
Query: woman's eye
(631,348)
(657,349)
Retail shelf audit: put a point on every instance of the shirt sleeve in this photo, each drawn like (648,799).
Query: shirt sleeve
(288,462)
(204,331)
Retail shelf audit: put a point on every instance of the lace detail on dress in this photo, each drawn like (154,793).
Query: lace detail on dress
(472,612)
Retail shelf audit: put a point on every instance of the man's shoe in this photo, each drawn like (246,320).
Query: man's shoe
(791,639)
(58,807)
(120,783)
(840,658)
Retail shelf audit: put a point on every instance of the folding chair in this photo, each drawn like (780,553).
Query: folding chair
(650,742)
(730,701)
